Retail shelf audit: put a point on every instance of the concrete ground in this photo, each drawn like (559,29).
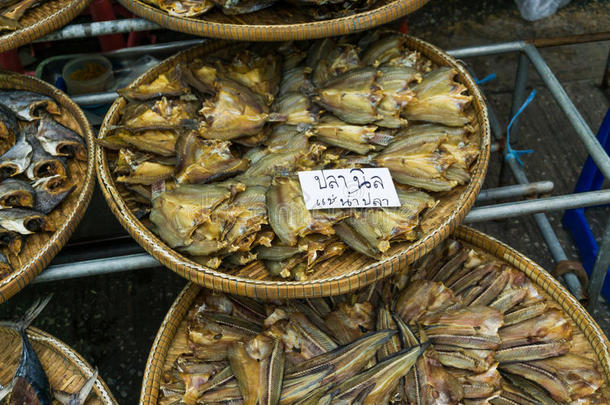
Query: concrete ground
(112,320)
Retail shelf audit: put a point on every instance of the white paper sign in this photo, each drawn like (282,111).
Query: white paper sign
(348,188)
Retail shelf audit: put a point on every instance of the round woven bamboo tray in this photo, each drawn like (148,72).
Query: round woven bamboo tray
(276,23)
(40,248)
(335,276)
(588,339)
(66,370)
(42,20)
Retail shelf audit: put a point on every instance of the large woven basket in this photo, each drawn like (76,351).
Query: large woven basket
(335,276)
(589,340)
(39,249)
(42,20)
(66,370)
(275,23)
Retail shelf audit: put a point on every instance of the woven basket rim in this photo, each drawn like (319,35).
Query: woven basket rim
(19,278)
(38,335)
(50,23)
(599,342)
(276,32)
(218,280)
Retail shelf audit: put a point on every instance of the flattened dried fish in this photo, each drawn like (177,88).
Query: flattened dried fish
(235,112)
(288,215)
(28,106)
(11,240)
(25,221)
(8,129)
(439,99)
(155,141)
(58,140)
(80,396)
(42,163)
(352,96)
(297,109)
(17,159)
(162,114)
(295,80)
(349,322)
(50,192)
(16,193)
(168,84)
(200,161)
(138,168)
(287,137)
(422,298)
(260,74)
(395,82)
(357,138)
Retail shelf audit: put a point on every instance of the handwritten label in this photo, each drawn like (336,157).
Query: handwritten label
(348,188)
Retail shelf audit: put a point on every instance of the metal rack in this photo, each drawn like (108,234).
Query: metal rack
(122,254)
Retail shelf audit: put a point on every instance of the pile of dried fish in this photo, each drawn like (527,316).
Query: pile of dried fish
(11,12)
(34,175)
(456,327)
(211,149)
(30,384)
(314,9)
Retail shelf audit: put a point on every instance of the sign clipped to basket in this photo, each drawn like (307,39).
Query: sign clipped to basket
(348,188)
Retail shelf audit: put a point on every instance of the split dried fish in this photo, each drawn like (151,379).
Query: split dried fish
(170,84)
(16,193)
(25,221)
(50,192)
(17,159)
(58,140)
(28,106)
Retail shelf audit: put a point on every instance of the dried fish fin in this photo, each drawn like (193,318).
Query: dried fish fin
(169,84)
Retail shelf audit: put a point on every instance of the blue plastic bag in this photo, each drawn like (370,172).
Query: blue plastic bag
(533,10)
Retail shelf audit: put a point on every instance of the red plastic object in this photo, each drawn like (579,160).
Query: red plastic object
(9,60)
(101,10)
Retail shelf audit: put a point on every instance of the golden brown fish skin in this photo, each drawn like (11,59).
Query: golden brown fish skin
(335,132)
(160,142)
(294,80)
(162,114)
(25,221)
(345,361)
(523,313)
(200,161)
(523,387)
(436,385)
(340,59)
(349,322)
(552,326)
(474,327)
(480,385)
(235,112)
(352,96)
(551,382)
(439,99)
(287,213)
(475,360)
(169,84)
(16,193)
(422,298)
(300,387)
(178,213)
(136,168)
(296,108)
(195,374)
(261,74)
(183,8)
(395,82)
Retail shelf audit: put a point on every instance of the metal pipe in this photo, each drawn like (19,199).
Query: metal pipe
(95,29)
(523,67)
(95,98)
(517,190)
(600,269)
(492,49)
(96,267)
(570,40)
(596,151)
(528,207)
(169,47)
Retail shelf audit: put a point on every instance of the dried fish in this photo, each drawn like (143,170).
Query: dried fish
(28,106)
(58,140)
(170,83)
(357,138)
(8,129)
(42,163)
(422,298)
(349,322)
(261,74)
(25,221)
(139,168)
(16,193)
(80,396)
(296,109)
(5,270)
(154,141)
(288,215)
(439,99)
(17,159)
(50,192)
(288,137)
(352,96)
(11,240)
(162,114)
(200,161)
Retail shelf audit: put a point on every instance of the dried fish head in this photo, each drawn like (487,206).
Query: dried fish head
(422,298)
(28,106)
(160,142)
(349,322)
(235,112)
(200,161)
(176,214)
(50,192)
(139,168)
(17,159)
(357,138)
(25,221)
(170,83)
(550,326)
(42,163)
(163,114)
(260,74)
(352,96)
(16,193)
(58,140)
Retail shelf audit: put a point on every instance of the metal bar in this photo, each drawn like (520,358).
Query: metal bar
(600,269)
(492,49)
(518,190)
(546,230)
(96,267)
(528,207)
(523,67)
(169,47)
(95,98)
(596,151)
(95,29)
